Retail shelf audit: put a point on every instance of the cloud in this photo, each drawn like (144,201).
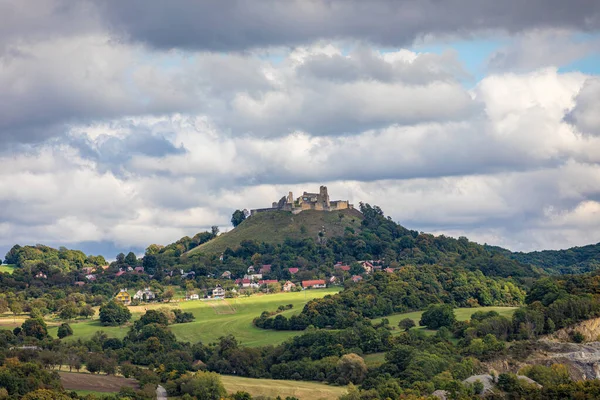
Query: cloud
(241,25)
(586,114)
(542,48)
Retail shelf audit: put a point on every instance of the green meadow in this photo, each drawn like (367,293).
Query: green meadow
(7,268)
(215,318)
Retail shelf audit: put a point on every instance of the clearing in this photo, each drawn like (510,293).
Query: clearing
(7,268)
(95,383)
(274,388)
(214,318)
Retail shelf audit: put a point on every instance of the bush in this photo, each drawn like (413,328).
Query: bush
(114,314)
(64,330)
(406,324)
(577,337)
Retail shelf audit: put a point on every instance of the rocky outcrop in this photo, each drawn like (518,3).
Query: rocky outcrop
(590,330)
(581,360)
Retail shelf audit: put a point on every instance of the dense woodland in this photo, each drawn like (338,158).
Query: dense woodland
(430,273)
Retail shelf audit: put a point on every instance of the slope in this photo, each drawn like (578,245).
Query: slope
(575,260)
(276,226)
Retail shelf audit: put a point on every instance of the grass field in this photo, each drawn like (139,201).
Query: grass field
(274,388)
(462,314)
(214,318)
(7,268)
(275,227)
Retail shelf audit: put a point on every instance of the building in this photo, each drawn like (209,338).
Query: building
(120,273)
(340,267)
(267,282)
(356,278)
(226,275)
(265,269)
(87,270)
(389,270)
(90,277)
(314,284)
(293,271)
(138,270)
(288,286)
(218,291)
(308,201)
(333,280)
(123,296)
(194,297)
(253,277)
(144,295)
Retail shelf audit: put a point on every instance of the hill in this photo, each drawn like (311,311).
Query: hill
(575,260)
(276,226)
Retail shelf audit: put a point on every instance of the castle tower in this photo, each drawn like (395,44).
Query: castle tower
(290,198)
(324,197)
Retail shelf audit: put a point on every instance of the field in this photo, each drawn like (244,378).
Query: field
(94,383)
(274,388)
(462,314)
(214,318)
(275,227)
(7,268)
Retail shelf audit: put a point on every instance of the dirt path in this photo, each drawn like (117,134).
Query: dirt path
(97,383)
(221,307)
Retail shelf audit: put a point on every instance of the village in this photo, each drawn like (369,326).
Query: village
(256,280)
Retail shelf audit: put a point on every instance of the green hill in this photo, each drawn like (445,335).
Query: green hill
(275,226)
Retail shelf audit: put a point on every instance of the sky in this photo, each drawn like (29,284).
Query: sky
(124,124)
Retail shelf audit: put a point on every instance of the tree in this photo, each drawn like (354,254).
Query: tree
(68,312)
(168,294)
(214,230)
(438,315)
(87,311)
(16,308)
(352,368)
(237,218)
(406,324)
(120,258)
(64,330)
(35,327)
(45,394)
(114,314)
(150,263)
(203,385)
(131,259)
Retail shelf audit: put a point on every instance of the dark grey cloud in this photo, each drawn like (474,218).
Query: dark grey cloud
(586,113)
(241,24)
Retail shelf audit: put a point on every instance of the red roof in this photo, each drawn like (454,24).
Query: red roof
(120,273)
(357,278)
(265,268)
(293,270)
(389,270)
(313,282)
(246,281)
(343,267)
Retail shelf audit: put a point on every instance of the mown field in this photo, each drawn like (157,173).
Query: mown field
(214,318)
(274,388)
(7,268)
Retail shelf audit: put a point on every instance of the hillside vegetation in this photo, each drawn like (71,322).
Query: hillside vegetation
(276,226)
(575,260)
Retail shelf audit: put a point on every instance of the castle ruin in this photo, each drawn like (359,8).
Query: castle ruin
(308,201)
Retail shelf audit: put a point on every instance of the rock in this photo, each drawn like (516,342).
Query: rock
(440,394)
(487,380)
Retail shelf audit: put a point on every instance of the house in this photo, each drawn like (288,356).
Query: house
(265,269)
(41,275)
(194,297)
(293,270)
(367,266)
(90,277)
(221,257)
(314,284)
(218,291)
(226,275)
(87,270)
(341,267)
(138,270)
(333,279)
(247,283)
(250,270)
(253,277)
(356,278)
(123,296)
(105,267)
(288,286)
(79,283)
(120,273)
(145,295)
(267,281)
(389,270)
